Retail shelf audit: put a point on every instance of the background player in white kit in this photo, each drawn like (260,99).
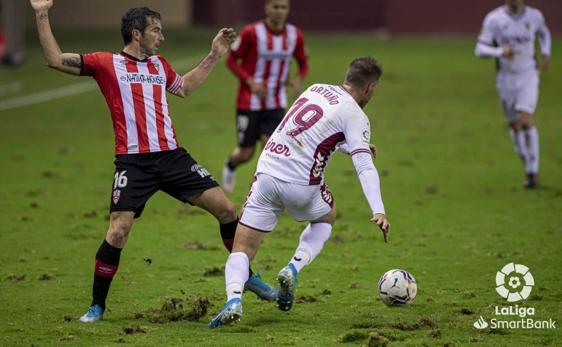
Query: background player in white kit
(290,176)
(508,34)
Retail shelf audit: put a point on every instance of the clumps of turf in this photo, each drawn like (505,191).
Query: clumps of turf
(431,189)
(196,245)
(374,339)
(338,239)
(16,277)
(466,311)
(377,340)
(90,214)
(45,277)
(177,309)
(434,334)
(420,324)
(134,330)
(68,338)
(214,271)
(353,336)
(306,298)
(48,174)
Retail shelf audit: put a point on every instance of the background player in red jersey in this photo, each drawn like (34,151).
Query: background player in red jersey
(261,59)
(148,157)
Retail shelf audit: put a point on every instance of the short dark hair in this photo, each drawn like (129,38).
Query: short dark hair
(136,18)
(363,71)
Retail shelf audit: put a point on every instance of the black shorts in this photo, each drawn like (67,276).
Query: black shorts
(251,125)
(138,176)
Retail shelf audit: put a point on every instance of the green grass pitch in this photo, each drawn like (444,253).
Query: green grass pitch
(451,183)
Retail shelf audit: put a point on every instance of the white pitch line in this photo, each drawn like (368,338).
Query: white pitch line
(72,89)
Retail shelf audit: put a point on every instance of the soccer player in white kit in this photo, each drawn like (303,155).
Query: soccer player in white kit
(290,176)
(508,34)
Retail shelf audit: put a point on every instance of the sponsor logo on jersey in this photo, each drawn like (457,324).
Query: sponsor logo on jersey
(135,77)
(277,148)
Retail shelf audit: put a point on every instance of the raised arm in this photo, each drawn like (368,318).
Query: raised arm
(220,46)
(65,62)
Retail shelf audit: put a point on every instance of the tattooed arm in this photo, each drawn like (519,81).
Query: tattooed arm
(70,63)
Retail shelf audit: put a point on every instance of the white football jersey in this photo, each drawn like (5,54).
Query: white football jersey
(323,118)
(503,29)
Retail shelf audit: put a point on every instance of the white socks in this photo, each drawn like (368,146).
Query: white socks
(236,273)
(533,146)
(527,146)
(311,242)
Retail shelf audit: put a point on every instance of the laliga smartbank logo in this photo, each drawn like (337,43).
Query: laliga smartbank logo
(514,282)
(519,282)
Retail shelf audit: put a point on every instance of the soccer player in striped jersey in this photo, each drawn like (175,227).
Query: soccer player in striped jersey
(148,156)
(508,34)
(261,59)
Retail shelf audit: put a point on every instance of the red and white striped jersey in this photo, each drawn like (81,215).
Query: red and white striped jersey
(266,57)
(135,92)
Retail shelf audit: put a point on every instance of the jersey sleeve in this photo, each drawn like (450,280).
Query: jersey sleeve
(239,49)
(543,34)
(174,82)
(301,55)
(241,45)
(357,132)
(487,33)
(91,63)
(357,136)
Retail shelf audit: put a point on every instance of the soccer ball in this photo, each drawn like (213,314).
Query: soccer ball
(397,287)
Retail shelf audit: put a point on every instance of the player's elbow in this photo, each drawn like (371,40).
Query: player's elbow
(54,63)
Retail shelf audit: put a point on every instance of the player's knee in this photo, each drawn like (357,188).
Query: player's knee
(118,232)
(246,153)
(227,212)
(516,126)
(332,216)
(329,217)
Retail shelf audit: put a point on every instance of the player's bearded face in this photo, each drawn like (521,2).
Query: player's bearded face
(368,94)
(277,10)
(151,37)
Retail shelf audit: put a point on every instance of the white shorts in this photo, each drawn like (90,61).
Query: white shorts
(518,93)
(269,197)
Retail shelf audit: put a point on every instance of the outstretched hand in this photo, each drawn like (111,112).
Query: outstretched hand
(381,220)
(223,40)
(41,5)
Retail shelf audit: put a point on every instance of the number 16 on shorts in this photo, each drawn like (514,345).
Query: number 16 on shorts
(119,181)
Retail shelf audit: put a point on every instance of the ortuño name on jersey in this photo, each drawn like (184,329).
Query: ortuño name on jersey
(331,97)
